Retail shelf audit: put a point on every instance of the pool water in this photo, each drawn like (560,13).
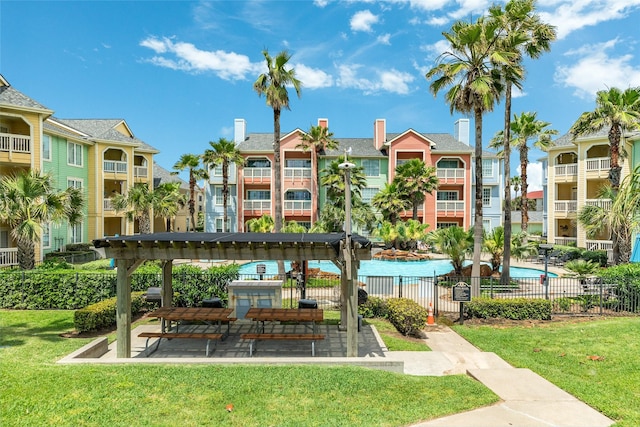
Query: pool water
(428,268)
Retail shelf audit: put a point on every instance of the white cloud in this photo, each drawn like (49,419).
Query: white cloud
(187,57)
(436,49)
(395,81)
(384,39)
(534,177)
(363,20)
(392,81)
(321,3)
(595,69)
(312,78)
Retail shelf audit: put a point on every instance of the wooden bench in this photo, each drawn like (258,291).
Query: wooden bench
(170,335)
(287,337)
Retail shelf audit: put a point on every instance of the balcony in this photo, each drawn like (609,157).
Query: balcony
(107,205)
(140,172)
(114,166)
(568,170)
(13,143)
(601,203)
(297,173)
(565,241)
(257,174)
(8,257)
(568,206)
(450,175)
(598,164)
(450,207)
(263,206)
(293,207)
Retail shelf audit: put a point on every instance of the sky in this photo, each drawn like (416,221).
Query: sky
(180,72)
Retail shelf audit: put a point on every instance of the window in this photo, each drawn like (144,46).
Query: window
(305,224)
(447,195)
(448,164)
(217,170)
(257,163)
(298,163)
(486,224)
(368,193)
(219,225)
(76,233)
(487,168)
(297,195)
(46,147)
(74,183)
(218,195)
(46,236)
(371,167)
(486,197)
(74,154)
(400,162)
(447,224)
(257,194)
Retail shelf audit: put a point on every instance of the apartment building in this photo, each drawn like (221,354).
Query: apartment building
(379,155)
(100,156)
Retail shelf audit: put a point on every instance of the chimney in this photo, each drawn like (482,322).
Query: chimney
(461,131)
(323,123)
(239,130)
(379,133)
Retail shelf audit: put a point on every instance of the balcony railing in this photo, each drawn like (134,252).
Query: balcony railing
(107,205)
(598,164)
(566,206)
(601,203)
(10,142)
(565,241)
(115,166)
(257,172)
(570,169)
(447,173)
(297,205)
(293,173)
(450,206)
(257,205)
(140,171)
(8,257)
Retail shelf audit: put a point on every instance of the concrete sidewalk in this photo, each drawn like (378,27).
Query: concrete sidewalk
(528,400)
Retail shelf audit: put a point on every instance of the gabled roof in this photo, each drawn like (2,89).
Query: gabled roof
(161,176)
(10,97)
(360,147)
(105,130)
(535,194)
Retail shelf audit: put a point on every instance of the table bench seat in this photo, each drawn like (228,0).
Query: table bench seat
(189,335)
(288,337)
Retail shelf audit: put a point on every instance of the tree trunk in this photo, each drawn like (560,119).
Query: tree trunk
(277,180)
(524,204)
(145,223)
(26,254)
(506,256)
(225,193)
(614,179)
(192,201)
(477,226)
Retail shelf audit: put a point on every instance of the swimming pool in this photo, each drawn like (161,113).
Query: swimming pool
(376,267)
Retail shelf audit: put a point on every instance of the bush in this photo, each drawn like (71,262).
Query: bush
(408,317)
(562,304)
(102,315)
(512,308)
(626,289)
(374,307)
(599,257)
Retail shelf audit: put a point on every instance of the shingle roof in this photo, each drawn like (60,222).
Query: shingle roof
(104,129)
(14,98)
(534,217)
(161,176)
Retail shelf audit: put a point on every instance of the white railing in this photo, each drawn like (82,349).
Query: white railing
(8,256)
(297,205)
(599,245)
(450,206)
(293,173)
(570,169)
(257,205)
(447,173)
(257,172)
(140,171)
(601,203)
(566,206)
(599,164)
(15,143)
(107,205)
(115,166)
(565,241)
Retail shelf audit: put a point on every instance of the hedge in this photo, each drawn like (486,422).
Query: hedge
(408,317)
(511,308)
(102,315)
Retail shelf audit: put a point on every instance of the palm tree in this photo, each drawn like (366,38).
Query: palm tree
(389,202)
(137,204)
(523,33)
(620,112)
(332,177)
(225,153)
(524,128)
(293,227)
(273,85)
(454,242)
(28,201)
(414,180)
(264,224)
(471,71)
(317,139)
(191,162)
(387,232)
(515,183)
(169,201)
(494,245)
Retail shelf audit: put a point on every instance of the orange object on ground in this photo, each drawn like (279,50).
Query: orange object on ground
(430,319)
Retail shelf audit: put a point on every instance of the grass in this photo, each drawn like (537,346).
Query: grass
(594,360)
(34,390)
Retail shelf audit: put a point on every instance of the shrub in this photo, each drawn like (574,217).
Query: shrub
(408,317)
(102,315)
(511,308)
(562,304)
(626,289)
(374,307)
(599,257)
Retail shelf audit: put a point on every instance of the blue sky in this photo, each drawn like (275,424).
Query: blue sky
(180,72)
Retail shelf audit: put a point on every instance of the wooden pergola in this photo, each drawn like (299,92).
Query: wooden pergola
(129,252)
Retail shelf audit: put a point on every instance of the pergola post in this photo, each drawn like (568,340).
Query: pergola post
(352,305)
(167,283)
(123,309)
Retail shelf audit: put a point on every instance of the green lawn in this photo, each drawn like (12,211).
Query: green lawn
(35,391)
(564,354)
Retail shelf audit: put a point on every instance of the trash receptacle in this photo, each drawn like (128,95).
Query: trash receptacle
(307,303)
(212,303)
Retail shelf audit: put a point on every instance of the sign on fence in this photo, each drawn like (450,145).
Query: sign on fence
(461,292)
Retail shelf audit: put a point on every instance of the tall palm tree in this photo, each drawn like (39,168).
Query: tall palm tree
(470,69)
(264,224)
(494,244)
(191,162)
(225,153)
(524,128)
(317,139)
(516,182)
(137,204)
(620,112)
(524,33)
(415,180)
(273,85)
(389,202)
(168,202)
(455,242)
(28,201)
(332,177)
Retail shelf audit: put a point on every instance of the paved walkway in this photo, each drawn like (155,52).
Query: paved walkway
(528,400)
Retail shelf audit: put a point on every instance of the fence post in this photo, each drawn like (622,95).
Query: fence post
(601,295)
(436,298)
(400,287)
